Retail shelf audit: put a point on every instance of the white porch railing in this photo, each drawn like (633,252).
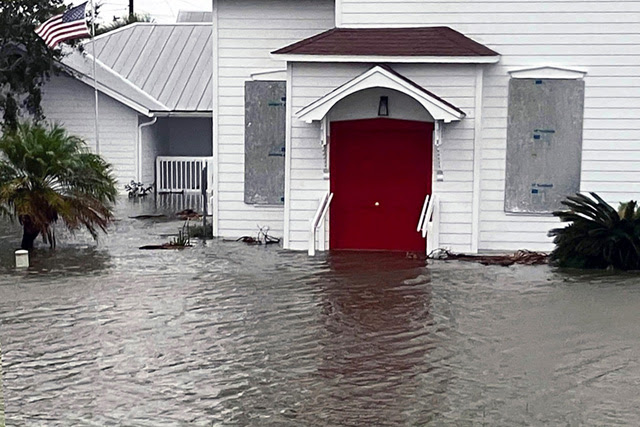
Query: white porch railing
(318,219)
(429,222)
(182,174)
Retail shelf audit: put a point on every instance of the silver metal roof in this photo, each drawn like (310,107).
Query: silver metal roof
(162,67)
(194,16)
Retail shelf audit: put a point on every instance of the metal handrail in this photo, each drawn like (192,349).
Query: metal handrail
(321,212)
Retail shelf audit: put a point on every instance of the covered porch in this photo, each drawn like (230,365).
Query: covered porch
(381,136)
(371,92)
(175,152)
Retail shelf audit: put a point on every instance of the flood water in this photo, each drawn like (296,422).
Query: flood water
(229,334)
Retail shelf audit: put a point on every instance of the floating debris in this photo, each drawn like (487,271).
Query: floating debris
(179,242)
(263,238)
(522,257)
(137,189)
(188,214)
(164,246)
(148,216)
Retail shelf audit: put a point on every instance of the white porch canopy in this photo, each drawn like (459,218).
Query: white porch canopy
(385,77)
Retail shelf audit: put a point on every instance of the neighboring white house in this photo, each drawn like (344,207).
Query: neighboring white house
(499,109)
(155,99)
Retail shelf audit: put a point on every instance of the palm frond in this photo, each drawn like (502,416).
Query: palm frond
(598,236)
(47,174)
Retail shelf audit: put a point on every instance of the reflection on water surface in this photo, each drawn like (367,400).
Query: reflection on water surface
(228,334)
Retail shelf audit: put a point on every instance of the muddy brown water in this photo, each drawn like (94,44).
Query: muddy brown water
(229,334)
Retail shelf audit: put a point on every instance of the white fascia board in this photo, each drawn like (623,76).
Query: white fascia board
(273,74)
(547,72)
(192,114)
(113,94)
(388,59)
(378,77)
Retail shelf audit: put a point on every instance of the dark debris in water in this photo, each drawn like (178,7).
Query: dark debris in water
(522,257)
(148,216)
(263,238)
(164,246)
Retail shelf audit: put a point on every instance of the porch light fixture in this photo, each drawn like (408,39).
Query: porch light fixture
(383,106)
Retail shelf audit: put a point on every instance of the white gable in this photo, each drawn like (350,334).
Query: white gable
(380,77)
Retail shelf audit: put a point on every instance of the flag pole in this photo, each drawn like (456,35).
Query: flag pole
(95,83)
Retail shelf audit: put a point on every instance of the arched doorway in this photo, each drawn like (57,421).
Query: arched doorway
(380,171)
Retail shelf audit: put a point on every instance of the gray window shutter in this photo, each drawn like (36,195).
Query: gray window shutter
(544,143)
(264,142)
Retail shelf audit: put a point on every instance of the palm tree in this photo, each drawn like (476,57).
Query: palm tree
(47,174)
(598,236)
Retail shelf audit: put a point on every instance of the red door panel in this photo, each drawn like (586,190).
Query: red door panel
(380,175)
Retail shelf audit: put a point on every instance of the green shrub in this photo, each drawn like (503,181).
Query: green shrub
(598,236)
(199,232)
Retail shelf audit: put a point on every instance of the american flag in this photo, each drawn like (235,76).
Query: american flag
(67,26)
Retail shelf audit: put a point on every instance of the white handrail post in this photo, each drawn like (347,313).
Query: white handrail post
(312,239)
(432,229)
(435,231)
(319,216)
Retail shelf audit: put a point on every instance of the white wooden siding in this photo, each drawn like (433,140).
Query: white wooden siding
(248,30)
(71,103)
(602,38)
(455,83)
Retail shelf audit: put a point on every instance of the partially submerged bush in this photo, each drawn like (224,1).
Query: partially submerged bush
(199,231)
(598,236)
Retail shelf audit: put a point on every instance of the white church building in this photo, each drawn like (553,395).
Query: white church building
(393,124)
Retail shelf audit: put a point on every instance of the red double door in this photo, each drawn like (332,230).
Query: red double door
(380,174)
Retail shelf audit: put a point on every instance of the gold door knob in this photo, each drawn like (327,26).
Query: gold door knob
(377,204)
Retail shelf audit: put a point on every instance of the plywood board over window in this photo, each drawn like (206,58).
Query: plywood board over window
(264,141)
(544,143)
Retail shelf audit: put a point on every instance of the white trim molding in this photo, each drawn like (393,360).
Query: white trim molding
(215,149)
(379,77)
(273,74)
(113,94)
(286,240)
(547,72)
(477,159)
(338,12)
(387,59)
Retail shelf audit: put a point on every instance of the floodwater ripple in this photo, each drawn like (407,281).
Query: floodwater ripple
(229,334)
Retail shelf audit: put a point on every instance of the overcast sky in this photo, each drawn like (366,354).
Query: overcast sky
(160,10)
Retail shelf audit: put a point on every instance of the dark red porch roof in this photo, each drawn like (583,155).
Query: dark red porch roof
(421,41)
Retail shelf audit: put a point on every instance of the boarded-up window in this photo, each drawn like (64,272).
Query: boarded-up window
(264,142)
(544,143)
